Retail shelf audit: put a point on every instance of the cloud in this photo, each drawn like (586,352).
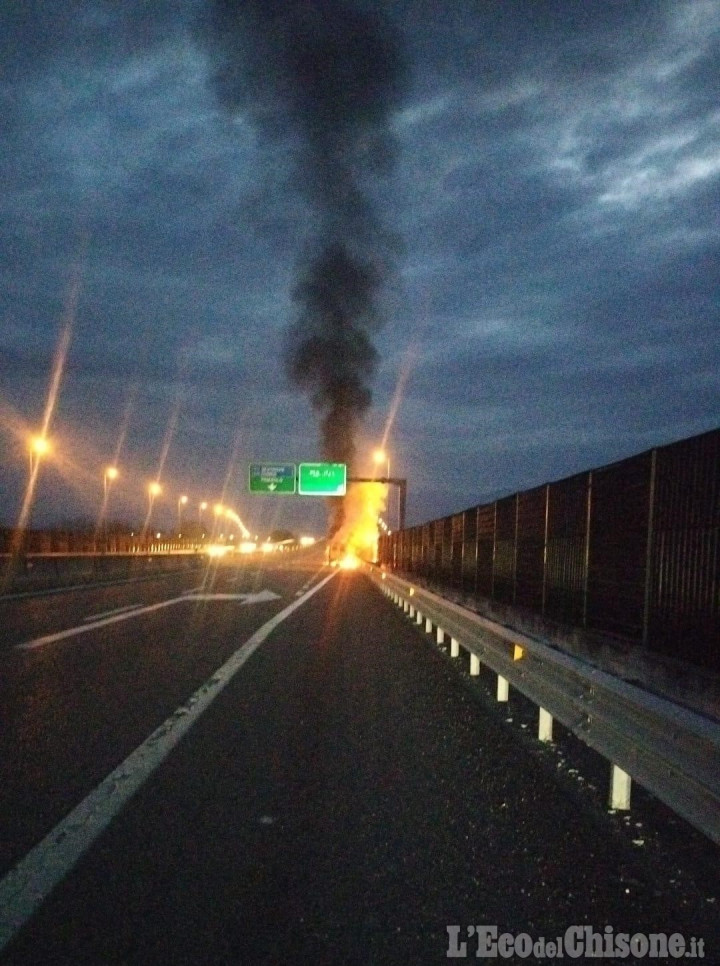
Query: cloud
(556,189)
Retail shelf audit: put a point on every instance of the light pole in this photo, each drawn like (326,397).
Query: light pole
(380,456)
(38,446)
(181,503)
(154,489)
(202,507)
(110,474)
(219,511)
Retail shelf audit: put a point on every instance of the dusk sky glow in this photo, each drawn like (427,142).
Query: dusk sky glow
(555,305)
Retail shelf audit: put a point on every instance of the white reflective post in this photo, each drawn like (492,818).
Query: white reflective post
(503,689)
(545,725)
(620,784)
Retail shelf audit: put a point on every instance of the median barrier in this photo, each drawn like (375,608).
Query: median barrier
(37,572)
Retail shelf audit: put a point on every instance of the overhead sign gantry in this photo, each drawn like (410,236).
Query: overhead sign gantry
(307,479)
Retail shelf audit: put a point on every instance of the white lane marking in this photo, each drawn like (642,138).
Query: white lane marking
(31,881)
(91,624)
(103,622)
(109,613)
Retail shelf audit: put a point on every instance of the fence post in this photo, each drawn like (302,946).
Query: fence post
(494,552)
(477,550)
(586,575)
(649,549)
(515,546)
(545,547)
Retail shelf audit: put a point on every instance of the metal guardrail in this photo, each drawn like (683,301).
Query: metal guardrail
(672,752)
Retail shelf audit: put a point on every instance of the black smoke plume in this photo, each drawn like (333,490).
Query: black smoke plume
(326,74)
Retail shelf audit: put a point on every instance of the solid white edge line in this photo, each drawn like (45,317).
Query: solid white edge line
(31,881)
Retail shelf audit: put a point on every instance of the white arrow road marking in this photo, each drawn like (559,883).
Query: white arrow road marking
(25,887)
(92,624)
(259,598)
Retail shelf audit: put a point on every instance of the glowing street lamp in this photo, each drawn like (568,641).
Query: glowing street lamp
(154,489)
(110,474)
(202,507)
(39,447)
(380,456)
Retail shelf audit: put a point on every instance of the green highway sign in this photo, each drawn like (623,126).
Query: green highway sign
(322,479)
(272,478)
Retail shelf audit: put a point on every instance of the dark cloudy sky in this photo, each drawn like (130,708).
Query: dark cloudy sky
(556,193)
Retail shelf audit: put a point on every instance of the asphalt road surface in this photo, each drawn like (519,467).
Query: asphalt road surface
(267,766)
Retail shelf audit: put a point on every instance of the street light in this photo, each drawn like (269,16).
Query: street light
(110,474)
(181,503)
(219,511)
(154,489)
(39,447)
(380,456)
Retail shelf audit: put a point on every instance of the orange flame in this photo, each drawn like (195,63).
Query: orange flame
(357,538)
